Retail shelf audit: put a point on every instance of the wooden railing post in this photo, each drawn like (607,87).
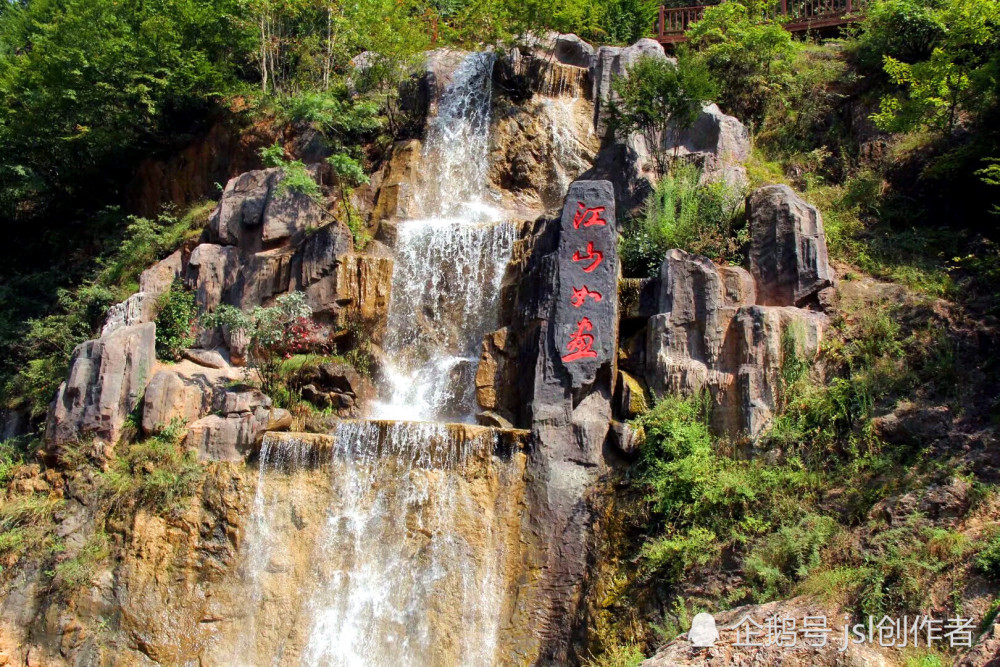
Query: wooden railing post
(661,20)
(784,7)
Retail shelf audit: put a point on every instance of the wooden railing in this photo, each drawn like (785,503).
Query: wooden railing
(795,15)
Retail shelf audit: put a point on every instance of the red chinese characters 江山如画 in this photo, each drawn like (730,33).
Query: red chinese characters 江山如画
(581,342)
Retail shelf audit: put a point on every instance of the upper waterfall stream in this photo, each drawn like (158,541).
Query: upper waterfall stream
(449,261)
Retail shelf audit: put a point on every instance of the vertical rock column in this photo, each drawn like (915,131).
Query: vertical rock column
(570,413)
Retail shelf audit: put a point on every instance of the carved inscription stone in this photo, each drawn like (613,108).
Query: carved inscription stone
(586,309)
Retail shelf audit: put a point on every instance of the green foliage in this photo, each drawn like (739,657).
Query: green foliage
(79,570)
(788,555)
(659,99)
(619,655)
(26,526)
(268,331)
(39,355)
(157,473)
(682,212)
(991,176)
(176,315)
(958,74)
(84,83)
(707,502)
(988,559)
(904,30)
(295,176)
(749,55)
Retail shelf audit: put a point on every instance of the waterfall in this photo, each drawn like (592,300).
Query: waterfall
(385,542)
(395,534)
(449,261)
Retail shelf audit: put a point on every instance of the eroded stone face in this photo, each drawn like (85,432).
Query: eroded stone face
(710,335)
(106,380)
(788,254)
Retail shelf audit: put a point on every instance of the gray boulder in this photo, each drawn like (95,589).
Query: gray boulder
(788,254)
(211,272)
(107,378)
(571,50)
(158,278)
(611,61)
(709,335)
(137,309)
(255,211)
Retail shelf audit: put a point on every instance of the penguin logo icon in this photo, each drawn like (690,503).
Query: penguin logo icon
(703,632)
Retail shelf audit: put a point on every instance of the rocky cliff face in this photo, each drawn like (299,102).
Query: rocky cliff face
(488,530)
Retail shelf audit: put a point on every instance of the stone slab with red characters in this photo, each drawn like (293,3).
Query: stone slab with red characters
(585,325)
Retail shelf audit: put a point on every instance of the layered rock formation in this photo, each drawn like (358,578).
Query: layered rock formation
(725,330)
(491,526)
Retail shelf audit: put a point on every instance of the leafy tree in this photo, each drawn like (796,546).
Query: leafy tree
(905,30)
(958,75)
(659,99)
(84,84)
(748,53)
(269,333)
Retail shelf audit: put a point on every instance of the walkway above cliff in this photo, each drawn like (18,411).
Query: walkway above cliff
(796,16)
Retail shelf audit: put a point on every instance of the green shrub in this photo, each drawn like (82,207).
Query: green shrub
(703,501)
(748,53)
(787,555)
(682,212)
(658,98)
(175,319)
(78,571)
(271,333)
(157,473)
(41,353)
(619,655)
(295,176)
(988,559)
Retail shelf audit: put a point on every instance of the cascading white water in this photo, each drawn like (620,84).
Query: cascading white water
(405,548)
(388,548)
(449,261)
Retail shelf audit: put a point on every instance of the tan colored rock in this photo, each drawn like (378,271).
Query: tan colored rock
(395,195)
(158,278)
(358,286)
(725,653)
(185,391)
(490,368)
(229,438)
(107,378)
(206,358)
